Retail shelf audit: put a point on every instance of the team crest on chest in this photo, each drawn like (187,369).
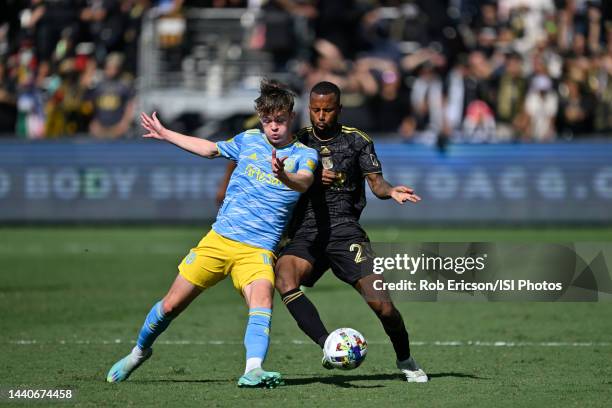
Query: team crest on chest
(326,159)
(290,164)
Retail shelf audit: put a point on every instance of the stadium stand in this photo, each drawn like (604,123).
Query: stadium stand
(429,71)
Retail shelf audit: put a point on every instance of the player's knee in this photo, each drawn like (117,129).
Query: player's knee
(260,300)
(385,310)
(285,276)
(284,284)
(259,293)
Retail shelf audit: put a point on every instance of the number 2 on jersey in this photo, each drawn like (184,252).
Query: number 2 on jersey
(358,257)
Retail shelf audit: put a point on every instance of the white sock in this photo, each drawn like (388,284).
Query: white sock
(251,363)
(137,353)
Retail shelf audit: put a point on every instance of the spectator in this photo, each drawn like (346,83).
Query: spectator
(479,123)
(132,12)
(541,107)
(528,18)
(102,23)
(337,22)
(113,102)
(50,20)
(574,111)
(603,106)
(69,108)
(391,103)
(30,98)
(456,96)
(277,32)
(427,101)
(511,90)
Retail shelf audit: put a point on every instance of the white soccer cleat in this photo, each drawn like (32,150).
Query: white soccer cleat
(122,369)
(412,371)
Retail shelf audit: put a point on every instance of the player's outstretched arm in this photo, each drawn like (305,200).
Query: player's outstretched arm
(383,190)
(299,181)
(156,130)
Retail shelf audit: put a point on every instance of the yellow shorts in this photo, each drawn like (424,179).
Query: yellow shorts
(215,257)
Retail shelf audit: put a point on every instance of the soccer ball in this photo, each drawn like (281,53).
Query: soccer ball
(345,348)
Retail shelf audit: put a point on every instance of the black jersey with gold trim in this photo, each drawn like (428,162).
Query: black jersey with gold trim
(349,153)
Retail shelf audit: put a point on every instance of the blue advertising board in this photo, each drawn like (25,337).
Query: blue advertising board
(153,181)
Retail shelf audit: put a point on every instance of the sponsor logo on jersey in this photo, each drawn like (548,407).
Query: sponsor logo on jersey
(290,164)
(261,176)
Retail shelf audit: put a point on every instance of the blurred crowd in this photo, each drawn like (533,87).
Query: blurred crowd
(428,70)
(67,66)
(458,70)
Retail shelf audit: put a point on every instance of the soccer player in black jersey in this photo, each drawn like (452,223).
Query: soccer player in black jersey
(325,230)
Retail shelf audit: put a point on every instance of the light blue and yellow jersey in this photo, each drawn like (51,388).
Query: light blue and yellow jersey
(257,206)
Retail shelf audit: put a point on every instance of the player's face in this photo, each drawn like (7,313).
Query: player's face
(277,127)
(324,111)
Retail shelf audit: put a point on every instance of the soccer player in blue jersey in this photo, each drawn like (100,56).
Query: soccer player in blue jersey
(272,170)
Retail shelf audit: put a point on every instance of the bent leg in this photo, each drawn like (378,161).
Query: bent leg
(381,304)
(291,271)
(392,321)
(180,295)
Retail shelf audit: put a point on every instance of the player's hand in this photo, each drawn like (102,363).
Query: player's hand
(153,125)
(278,166)
(328,177)
(401,194)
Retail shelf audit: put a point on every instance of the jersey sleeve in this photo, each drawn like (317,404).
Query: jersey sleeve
(368,160)
(230,149)
(309,160)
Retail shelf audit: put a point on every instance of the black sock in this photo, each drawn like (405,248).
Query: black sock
(306,315)
(395,329)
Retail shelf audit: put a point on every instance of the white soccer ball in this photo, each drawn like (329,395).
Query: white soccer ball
(345,348)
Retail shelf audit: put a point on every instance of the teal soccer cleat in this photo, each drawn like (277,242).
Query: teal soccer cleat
(258,378)
(126,366)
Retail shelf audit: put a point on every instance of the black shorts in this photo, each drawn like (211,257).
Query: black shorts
(346,250)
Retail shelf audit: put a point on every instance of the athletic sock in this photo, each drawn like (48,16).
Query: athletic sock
(154,325)
(257,337)
(395,329)
(137,353)
(306,315)
(252,363)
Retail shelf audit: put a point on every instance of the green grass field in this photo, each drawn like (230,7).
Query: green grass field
(73,299)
